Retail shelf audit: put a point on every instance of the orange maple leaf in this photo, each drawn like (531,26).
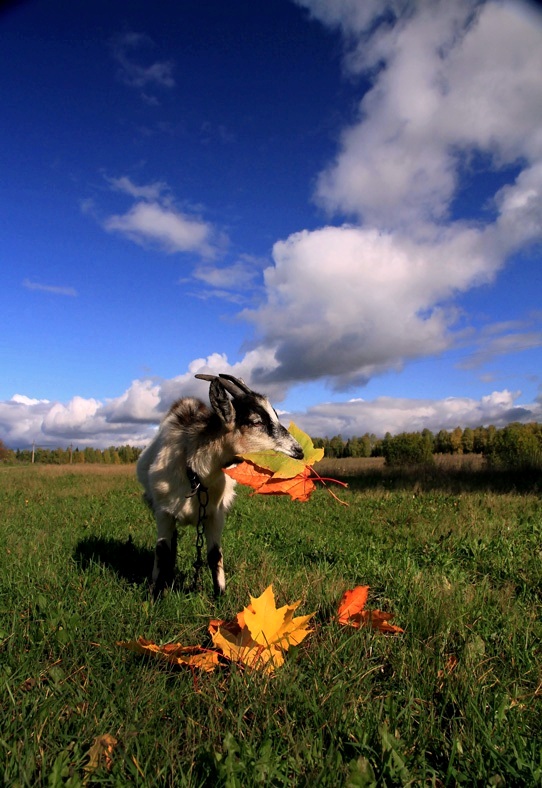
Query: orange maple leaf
(352,613)
(175,653)
(263,481)
(249,474)
(274,473)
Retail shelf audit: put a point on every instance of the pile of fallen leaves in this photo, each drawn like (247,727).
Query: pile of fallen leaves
(261,633)
(274,473)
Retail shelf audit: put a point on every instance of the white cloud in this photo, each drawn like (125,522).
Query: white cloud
(448,84)
(450,79)
(126,48)
(237,282)
(53,289)
(139,404)
(21,399)
(346,302)
(394,415)
(78,416)
(238,276)
(170,229)
(151,191)
(130,418)
(154,219)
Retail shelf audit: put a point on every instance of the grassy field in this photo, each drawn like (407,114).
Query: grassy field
(455,700)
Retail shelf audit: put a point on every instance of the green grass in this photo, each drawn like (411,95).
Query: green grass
(460,568)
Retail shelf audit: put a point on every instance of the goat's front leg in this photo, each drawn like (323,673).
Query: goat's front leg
(165,553)
(214,525)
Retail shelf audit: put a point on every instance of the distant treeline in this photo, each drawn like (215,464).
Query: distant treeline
(514,445)
(114,455)
(511,446)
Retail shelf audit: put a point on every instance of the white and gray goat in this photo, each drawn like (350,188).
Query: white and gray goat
(192,446)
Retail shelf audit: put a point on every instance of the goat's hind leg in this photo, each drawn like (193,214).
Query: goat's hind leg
(213,536)
(165,553)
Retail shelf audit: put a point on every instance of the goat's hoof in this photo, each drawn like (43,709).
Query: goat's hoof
(157,590)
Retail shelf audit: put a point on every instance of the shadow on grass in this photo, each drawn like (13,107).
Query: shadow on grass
(128,561)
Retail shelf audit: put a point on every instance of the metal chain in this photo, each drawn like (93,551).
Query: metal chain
(203,500)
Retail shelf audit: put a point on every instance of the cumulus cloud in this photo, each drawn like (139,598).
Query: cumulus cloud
(452,77)
(450,80)
(170,229)
(140,404)
(345,303)
(132,417)
(154,220)
(394,415)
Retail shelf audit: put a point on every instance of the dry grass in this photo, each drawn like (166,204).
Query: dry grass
(361,466)
(82,469)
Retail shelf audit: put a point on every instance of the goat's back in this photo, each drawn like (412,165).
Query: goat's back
(185,417)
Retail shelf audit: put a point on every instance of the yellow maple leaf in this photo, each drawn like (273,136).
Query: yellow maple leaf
(262,617)
(262,633)
(241,648)
(268,624)
(258,638)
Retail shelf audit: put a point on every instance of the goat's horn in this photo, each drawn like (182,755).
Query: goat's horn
(234,386)
(231,383)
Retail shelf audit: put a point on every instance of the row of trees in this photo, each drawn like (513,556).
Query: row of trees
(517,446)
(114,455)
(481,440)
(510,446)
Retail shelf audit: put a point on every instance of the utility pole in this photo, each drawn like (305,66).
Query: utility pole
(71,452)
(33,451)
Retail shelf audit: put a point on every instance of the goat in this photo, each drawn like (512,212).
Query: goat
(192,446)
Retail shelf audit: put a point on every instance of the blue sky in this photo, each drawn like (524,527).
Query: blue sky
(340,202)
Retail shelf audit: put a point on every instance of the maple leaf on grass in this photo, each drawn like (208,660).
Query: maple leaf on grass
(352,612)
(274,473)
(262,633)
(259,638)
(101,753)
(175,653)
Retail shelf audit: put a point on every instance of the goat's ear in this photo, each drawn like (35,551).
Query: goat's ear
(221,403)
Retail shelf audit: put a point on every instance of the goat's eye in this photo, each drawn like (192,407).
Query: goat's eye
(256,422)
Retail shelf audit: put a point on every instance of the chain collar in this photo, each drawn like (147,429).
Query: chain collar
(199,489)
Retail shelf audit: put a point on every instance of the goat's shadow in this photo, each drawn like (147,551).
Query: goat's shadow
(128,561)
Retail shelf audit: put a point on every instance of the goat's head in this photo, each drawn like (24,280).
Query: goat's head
(249,417)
